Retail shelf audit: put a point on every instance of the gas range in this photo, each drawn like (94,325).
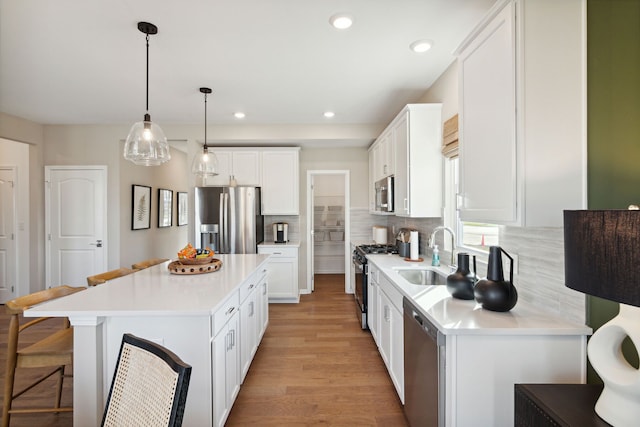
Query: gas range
(362,250)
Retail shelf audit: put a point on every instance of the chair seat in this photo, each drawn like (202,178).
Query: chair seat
(55,349)
(148,263)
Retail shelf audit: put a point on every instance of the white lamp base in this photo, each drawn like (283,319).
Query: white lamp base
(619,403)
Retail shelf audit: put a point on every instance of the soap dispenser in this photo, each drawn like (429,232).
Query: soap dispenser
(435,258)
(493,292)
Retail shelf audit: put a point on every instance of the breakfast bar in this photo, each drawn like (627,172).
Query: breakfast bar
(185,313)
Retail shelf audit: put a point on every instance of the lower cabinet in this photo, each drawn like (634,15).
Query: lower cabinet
(226,367)
(238,326)
(282,277)
(391,332)
(373,320)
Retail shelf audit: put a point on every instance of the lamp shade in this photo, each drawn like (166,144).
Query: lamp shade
(146,144)
(602,253)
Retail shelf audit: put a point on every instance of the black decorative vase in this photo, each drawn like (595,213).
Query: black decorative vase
(494,293)
(460,283)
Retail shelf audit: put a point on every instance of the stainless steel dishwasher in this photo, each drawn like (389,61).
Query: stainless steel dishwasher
(424,369)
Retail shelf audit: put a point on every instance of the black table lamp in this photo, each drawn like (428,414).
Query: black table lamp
(602,258)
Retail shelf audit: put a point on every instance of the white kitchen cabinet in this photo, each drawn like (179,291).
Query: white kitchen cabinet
(248,324)
(383,154)
(391,332)
(522,88)
(226,360)
(373,319)
(263,304)
(417,132)
(244,165)
(282,276)
(280,181)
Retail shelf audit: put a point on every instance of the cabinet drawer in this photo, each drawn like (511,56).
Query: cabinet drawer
(225,312)
(389,288)
(248,286)
(283,252)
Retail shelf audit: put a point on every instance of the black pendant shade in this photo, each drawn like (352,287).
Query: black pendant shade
(602,253)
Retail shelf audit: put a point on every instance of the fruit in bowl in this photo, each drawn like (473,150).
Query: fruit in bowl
(191,255)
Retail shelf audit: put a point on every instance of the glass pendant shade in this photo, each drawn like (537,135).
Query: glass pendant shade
(205,163)
(146,144)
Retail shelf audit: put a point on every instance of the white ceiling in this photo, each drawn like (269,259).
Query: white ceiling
(279,61)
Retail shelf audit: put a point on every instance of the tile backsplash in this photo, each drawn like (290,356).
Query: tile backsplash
(539,276)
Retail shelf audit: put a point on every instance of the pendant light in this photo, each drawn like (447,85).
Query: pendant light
(146,143)
(205,163)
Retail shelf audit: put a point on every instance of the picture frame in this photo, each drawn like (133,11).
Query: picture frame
(140,207)
(165,207)
(182,208)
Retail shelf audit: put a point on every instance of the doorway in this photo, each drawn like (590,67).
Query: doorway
(328,225)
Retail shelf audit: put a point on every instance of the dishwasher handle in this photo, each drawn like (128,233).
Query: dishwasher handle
(426,326)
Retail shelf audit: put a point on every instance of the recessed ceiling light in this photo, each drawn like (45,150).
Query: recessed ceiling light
(329,114)
(421,46)
(341,21)
(239,115)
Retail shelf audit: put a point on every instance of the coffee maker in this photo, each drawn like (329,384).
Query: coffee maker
(280,232)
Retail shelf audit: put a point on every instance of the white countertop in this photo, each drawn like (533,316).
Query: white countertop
(463,317)
(154,291)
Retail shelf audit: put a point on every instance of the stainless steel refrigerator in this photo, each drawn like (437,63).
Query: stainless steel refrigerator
(229,219)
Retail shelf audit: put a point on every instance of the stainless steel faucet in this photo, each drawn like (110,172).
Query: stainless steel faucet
(453,241)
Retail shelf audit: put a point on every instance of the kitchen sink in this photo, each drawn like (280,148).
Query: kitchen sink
(422,276)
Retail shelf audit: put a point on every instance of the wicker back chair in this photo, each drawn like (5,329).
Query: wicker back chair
(149,386)
(99,279)
(148,263)
(53,351)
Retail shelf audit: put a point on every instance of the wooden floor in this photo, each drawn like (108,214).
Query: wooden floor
(315,366)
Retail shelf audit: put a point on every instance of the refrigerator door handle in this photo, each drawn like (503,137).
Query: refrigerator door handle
(223,225)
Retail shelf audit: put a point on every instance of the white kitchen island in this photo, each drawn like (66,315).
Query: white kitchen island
(188,314)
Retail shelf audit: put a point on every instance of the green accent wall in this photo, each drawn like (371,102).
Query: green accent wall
(613,117)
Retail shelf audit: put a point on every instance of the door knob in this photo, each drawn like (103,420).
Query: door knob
(98,243)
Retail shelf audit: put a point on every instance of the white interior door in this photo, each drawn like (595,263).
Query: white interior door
(76,223)
(312,239)
(8,246)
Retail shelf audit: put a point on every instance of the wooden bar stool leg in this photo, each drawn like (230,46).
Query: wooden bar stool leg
(12,361)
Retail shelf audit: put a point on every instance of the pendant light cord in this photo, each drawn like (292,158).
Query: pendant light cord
(147,73)
(205,122)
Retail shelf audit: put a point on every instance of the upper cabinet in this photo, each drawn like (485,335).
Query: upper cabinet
(522,75)
(280,181)
(417,135)
(383,156)
(243,165)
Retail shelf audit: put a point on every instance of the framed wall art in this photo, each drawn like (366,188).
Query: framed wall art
(140,207)
(165,207)
(182,208)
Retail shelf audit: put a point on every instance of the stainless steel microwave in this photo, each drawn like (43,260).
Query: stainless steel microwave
(384,195)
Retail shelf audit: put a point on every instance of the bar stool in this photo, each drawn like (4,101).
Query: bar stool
(148,263)
(53,351)
(101,278)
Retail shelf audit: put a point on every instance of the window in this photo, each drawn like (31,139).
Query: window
(470,235)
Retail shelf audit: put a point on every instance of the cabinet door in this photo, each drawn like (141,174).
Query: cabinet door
(226,377)
(388,155)
(263,306)
(402,205)
(282,277)
(248,332)
(225,167)
(280,180)
(384,312)
(397,351)
(488,123)
(372,303)
(246,168)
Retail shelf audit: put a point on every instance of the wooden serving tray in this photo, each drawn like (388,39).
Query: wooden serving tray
(176,267)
